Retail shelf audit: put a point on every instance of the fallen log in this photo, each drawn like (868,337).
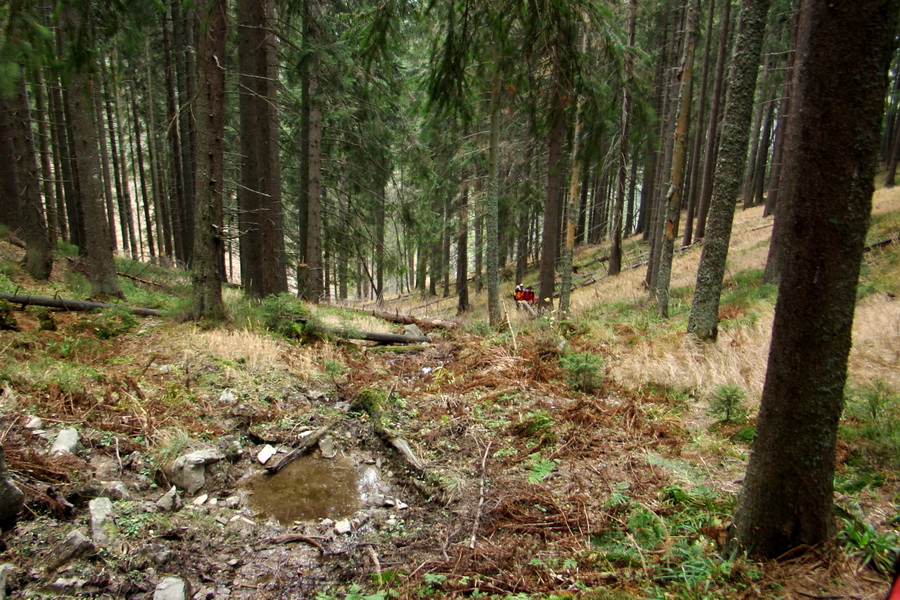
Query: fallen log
(410,320)
(74,304)
(882,243)
(373,336)
(306,446)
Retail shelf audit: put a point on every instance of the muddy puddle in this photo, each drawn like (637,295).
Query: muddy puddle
(312,488)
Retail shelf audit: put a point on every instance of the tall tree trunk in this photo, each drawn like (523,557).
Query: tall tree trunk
(261,218)
(553,196)
(60,163)
(712,136)
(183,19)
(492,207)
(787,501)
(314,198)
(462,252)
(615,248)
(209,111)
(762,158)
(178,199)
(704,318)
(21,189)
(693,191)
(141,173)
(679,157)
(47,173)
(380,205)
(104,163)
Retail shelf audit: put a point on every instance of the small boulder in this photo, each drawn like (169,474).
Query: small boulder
(188,472)
(6,570)
(66,442)
(326,447)
(172,588)
(343,527)
(34,423)
(413,330)
(170,501)
(74,546)
(103,525)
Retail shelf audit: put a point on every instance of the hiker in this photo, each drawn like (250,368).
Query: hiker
(519,296)
(528,296)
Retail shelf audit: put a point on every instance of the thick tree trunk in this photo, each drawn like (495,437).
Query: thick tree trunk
(261,218)
(313,288)
(553,196)
(104,163)
(208,110)
(787,501)
(704,318)
(491,213)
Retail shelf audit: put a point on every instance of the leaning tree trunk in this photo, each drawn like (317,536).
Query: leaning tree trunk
(704,318)
(209,111)
(787,501)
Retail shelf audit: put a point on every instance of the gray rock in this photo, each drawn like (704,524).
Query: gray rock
(170,501)
(66,442)
(103,525)
(413,330)
(227,397)
(326,447)
(343,527)
(172,588)
(115,490)
(230,447)
(6,569)
(74,546)
(34,423)
(188,472)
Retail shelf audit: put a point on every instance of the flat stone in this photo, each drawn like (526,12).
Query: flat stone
(74,546)
(103,525)
(326,447)
(116,490)
(172,588)
(343,527)
(65,443)
(200,500)
(265,454)
(34,423)
(170,501)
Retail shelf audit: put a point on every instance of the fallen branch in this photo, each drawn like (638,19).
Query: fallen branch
(139,280)
(410,320)
(374,336)
(74,304)
(306,446)
(882,243)
(480,498)
(296,537)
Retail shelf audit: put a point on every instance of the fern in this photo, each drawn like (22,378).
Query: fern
(540,468)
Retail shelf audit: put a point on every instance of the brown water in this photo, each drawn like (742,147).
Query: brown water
(311,488)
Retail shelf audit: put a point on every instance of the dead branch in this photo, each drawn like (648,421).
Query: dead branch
(396,317)
(296,537)
(881,243)
(77,305)
(306,446)
(481,497)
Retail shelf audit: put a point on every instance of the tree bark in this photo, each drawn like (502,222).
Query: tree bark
(313,275)
(788,498)
(704,318)
(491,213)
(553,196)
(462,252)
(208,110)
(712,135)
(261,218)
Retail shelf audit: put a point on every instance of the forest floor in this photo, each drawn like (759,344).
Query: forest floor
(551,460)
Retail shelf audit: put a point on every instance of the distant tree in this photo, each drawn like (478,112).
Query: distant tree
(787,500)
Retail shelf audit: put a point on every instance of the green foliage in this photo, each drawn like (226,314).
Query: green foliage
(537,423)
(369,401)
(7,321)
(727,403)
(284,315)
(585,370)
(873,547)
(113,323)
(540,468)
(872,414)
